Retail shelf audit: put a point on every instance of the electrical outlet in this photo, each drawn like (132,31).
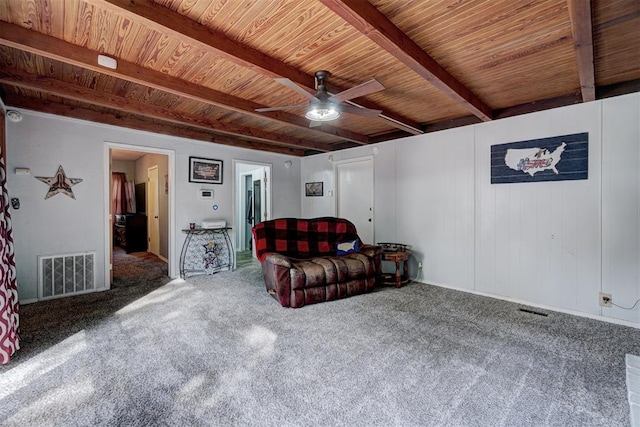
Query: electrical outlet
(604,300)
(420,266)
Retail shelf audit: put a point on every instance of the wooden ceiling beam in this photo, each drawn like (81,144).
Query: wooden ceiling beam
(83,94)
(540,105)
(581,28)
(432,127)
(164,20)
(363,16)
(618,89)
(516,110)
(616,21)
(129,121)
(40,44)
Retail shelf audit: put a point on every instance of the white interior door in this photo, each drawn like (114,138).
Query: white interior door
(354,196)
(153,220)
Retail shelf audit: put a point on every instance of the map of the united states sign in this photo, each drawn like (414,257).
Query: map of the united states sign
(558,158)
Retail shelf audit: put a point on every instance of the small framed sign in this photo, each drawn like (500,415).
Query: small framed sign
(207,171)
(313,189)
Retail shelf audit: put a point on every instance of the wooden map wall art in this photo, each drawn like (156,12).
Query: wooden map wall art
(59,183)
(559,158)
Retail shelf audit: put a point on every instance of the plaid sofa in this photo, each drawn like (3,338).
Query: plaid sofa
(301,265)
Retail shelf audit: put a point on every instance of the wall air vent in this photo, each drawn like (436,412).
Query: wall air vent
(65,275)
(539,313)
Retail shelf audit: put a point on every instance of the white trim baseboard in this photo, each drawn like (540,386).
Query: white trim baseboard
(542,306)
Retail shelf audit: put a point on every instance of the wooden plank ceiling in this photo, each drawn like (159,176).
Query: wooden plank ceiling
(200,69)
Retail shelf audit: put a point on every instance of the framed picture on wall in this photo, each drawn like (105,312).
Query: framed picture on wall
(313,189)
(207,171)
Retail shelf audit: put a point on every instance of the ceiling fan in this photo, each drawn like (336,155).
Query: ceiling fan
(324,107)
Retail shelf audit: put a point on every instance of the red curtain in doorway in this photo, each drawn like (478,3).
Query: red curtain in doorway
(9,320)
(122,194)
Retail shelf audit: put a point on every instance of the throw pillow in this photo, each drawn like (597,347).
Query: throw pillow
(349,247)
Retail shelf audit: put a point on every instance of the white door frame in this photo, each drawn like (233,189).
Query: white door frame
(171,154)
(236,190)
(373,188)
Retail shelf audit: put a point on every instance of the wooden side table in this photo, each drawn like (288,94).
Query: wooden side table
(399,257)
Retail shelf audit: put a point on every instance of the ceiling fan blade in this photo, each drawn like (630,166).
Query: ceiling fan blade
(368,112)
(357,91)
(291,85)
(284,107)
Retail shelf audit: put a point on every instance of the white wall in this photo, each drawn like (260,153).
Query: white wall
(540,242)
(128,167)
(60,224)
(434,197)
(621,204)
(320,168)
(550,244)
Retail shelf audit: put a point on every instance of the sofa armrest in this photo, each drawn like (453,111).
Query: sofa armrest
(276,269)
(371,250)
(374,252)
(278,259)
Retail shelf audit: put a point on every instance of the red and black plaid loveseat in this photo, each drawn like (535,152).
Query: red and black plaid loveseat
(301,265)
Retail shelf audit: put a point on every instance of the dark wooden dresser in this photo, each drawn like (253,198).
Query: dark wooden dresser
(130,232)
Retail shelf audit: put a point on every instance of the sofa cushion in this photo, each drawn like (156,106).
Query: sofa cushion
(302,238)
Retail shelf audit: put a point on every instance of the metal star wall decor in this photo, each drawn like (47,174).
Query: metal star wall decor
(59,183)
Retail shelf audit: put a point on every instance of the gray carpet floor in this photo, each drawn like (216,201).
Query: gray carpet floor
(218,350)
(137,268)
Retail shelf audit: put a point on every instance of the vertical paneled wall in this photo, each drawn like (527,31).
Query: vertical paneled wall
(540,241)
(621,204)
(435,189)
(555,244)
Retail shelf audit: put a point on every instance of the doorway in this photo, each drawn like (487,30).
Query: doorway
(252,203)
(354,191)
(153,210)
(247,190)
(151,219)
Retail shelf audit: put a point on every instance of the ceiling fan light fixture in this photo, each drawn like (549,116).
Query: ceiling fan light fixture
(322,112)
